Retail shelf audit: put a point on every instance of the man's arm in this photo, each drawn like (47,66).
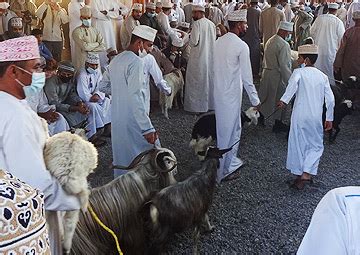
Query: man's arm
(195,35)
(339,59)
(284,61)
(53,98)
(291,88)
(156,74)
(329,101)
(83,87)
(85,46)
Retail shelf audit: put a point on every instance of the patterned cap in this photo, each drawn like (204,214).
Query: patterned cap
(16,22)
(92,58)
(137,7)
(237,16)
(145,32)
(19,49)
(356,15)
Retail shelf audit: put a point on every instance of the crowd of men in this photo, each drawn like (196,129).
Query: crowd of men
(119,57)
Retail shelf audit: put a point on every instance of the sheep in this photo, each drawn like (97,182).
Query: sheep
(117,205)
(70,159)
(204,130)
(174,80)
(184,205)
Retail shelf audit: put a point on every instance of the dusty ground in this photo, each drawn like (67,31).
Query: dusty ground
(258,213)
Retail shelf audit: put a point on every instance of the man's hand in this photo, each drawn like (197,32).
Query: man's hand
(50,116)
(95,98)
(104,12)
(151,137)
(328,125)
(82,108)
(281,104)
(257,107)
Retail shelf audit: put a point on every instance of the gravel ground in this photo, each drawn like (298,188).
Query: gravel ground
(257,213)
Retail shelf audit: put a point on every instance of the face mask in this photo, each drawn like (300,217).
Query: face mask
(90,70)
(150,15)
(142,53)
(65,79)
(86,22)
(302,65)
(37,83)
(288,38)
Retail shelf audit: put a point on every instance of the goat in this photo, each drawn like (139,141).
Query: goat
(117,204)
(174,80)
(204,130)
(70,159)
(184,205)
(342,108)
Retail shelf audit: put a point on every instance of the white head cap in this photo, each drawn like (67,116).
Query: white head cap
(333,6)
(287,26)
(145,32)
(19,49)
(339,1)
(137,7)
(4,5)
(16,22)
(151,5)
(158,4)
(308,49)
(294,5)
(356,15)
(85,11)
(176,2)
(177,42)
(166,4)
(238,15)
(92,58)
(199,8)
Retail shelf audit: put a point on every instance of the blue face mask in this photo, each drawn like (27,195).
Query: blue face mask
(90,70)
(150,15)
(86,22)
(37,83)
(288,38)
(302,65)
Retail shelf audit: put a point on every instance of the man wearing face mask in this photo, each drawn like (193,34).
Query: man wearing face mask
(5,16)
(99,117)
(129,24)
(86,38)
(105,85)
(61,92)
(232,73)
(163,17)
(15,29)
(276,73)
(25,9)
(22,133)
(132,131)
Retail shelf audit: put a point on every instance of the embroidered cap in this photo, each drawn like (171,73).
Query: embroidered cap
(92,58)
(151,6)
(199,8)
(85,11)
(16,22)
(66,66)
(238,15)
(287,26)
(145,32)
(333,6)
(137,7)
(19,49)
(308,49)
(356,15)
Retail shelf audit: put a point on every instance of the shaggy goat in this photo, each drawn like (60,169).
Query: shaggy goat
(175,81)
(184,205)
(118,204)
(70,159)
(204,130)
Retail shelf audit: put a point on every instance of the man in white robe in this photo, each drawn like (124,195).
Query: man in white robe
(188,12)
(56,121)
(22,133)
(86,38)
(103,13)
(335,224)
(310,87)
(270,20)
(275,75)
(180,15)
(199,75)
(232,73)
(341,12)
(74,21)
(99,118)
(163,17)
(327,32)
(215,14)
(132,131)
(130,23)
(354,6)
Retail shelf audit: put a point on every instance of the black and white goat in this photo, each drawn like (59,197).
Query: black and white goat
(204,130)
(184,205)
(117,205)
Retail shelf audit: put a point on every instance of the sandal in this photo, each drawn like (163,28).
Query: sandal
(300,184)
(232,176)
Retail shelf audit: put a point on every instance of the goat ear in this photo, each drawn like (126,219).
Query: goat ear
(165,162)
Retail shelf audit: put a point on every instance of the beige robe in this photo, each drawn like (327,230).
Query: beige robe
(302,25)
(275,76)
(87,39)
(126,29)
(269,22)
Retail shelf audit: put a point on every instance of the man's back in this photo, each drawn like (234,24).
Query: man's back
(273,48)
(253,17)
(269,22)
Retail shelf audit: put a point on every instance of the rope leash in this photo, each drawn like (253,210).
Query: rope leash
(93,214)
